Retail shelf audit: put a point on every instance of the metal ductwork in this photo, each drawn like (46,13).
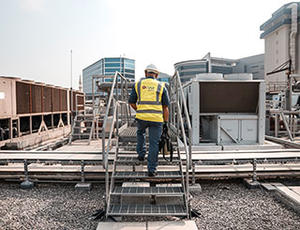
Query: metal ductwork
(293,35)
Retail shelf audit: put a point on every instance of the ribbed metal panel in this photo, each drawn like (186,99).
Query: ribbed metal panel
(36,98)
(23,98)
(47,99)
(64,106)
(55,99)
(228,97)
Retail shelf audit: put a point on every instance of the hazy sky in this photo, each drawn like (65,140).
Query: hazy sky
(36,36)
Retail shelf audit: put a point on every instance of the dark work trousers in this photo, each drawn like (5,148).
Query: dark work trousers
(155,129)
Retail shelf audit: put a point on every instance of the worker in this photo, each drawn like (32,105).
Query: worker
(149,98)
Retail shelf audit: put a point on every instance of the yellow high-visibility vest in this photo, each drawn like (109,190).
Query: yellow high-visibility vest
(149,95)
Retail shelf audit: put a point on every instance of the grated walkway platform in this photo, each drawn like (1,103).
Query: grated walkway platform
(146,209)
(146,191)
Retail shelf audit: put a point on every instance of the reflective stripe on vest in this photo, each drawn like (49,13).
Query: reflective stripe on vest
(149,107)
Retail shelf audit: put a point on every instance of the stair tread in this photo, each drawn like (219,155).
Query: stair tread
(147,209)
(134,160)
(80,134)
(139,174)
(170,191)
(133,144)
(85,115)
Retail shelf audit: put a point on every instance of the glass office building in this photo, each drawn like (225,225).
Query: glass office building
(163,77)
(107,67)
(188,69)
(253,64)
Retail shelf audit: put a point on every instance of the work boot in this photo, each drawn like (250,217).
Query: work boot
(152,174)
(141,158)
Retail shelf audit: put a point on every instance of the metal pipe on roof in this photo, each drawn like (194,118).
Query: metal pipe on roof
(293,34)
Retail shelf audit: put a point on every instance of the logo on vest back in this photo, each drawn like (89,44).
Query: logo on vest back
(149,88)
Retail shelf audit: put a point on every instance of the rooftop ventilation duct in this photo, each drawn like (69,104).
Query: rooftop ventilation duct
(293,34)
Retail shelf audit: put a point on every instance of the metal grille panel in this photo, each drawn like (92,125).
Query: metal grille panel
(160,174)
(134,160)
(148,191)
(147,210)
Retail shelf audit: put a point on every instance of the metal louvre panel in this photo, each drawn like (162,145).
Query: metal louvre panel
(64,106)
(23,98)
(55,99)
(47,99)
(225,97)
(36,99)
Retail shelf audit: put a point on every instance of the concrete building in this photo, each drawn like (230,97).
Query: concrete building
(80,84)
(281,35)
(253,64)
(208,64)
(164,77)
(107,67)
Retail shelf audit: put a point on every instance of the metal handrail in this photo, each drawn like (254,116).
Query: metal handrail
(113,100)
(176,78)
(108,107)
(180,98)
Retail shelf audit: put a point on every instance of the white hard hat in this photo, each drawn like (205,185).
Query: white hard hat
(152,68)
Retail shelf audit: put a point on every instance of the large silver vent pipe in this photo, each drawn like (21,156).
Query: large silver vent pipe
(293,35)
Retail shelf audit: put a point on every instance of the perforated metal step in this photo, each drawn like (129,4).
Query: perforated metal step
(79,128)
(81,134)
(140,175)
(128,135)
(85,115)
(147,210)
(134,161)
(146,191)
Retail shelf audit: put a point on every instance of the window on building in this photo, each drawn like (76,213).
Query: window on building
(112,70)
(129,70)
(129,65)
(112,60)
(112,64)
(129,61)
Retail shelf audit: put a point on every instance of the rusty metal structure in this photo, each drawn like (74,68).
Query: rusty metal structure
(29,107)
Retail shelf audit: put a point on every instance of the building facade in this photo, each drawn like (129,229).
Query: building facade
(107,67)
(163,77)
(188,69)
(282,44)
(253,64)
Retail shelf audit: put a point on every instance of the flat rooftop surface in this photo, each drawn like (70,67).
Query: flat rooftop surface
(149,225)
(221,204)
(82,145)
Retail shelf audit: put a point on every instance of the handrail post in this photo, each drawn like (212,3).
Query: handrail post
(187,118)
(106,116)
(179,100)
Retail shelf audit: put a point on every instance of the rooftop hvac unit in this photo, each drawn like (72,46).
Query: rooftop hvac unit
(227,112)
(209,76)
(239,76)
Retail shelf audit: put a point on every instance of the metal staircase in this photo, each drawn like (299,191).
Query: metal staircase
(83,128)
(129,189)
(175,195)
